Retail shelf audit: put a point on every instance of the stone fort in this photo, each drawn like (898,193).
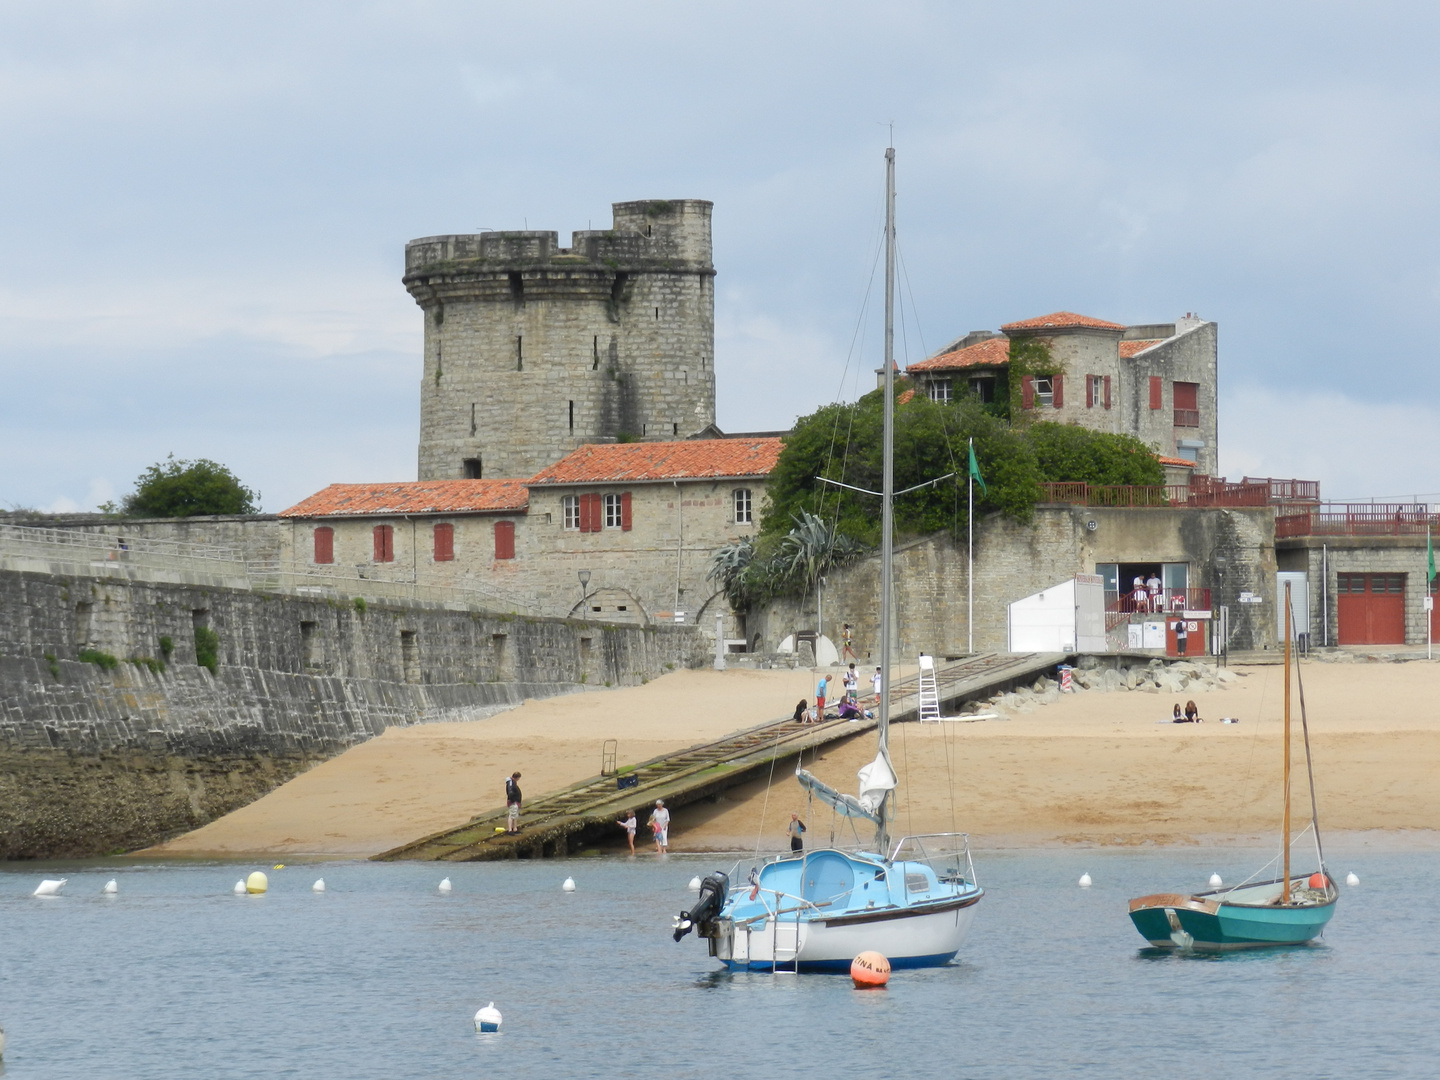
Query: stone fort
(532,350)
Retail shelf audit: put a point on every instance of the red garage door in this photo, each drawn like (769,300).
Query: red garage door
(1372,609)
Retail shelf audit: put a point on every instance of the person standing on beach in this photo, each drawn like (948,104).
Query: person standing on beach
(852,685)
(797,833)
(660,825)
(820,699)
(875,682)
(629,825)
(848,651)
(512,803)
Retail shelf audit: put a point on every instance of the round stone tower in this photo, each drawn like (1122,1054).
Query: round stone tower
(532,349)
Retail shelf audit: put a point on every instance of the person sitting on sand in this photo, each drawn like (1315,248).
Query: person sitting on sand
(803,708)
(1175,716)
(1192,712)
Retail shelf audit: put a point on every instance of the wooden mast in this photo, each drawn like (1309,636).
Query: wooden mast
(1285,892)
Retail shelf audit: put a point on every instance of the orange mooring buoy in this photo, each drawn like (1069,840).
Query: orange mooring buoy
(870,971)
(1317,881)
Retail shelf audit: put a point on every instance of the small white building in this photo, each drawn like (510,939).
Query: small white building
(1067,617)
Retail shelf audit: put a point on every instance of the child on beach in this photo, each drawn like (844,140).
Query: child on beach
(629,825)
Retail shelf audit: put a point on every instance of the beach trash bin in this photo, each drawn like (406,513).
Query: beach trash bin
(627,780)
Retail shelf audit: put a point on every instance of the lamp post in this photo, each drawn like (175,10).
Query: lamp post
(585,593)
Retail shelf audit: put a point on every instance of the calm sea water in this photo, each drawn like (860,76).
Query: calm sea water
(380,976)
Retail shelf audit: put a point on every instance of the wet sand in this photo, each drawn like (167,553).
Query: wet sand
(1092,768)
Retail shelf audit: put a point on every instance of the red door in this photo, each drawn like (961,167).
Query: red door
(1371,608)
(1197,637)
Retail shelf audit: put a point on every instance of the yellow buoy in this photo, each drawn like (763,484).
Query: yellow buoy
(257,882)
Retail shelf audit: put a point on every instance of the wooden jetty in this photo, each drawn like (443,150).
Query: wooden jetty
(556,823)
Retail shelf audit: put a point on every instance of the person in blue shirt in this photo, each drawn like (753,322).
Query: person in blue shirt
(820,699)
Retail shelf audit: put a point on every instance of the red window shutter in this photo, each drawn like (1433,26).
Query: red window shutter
(1090,391)
(597,513)
(625,511)
(504,540)
(1107,391)
(1187,395)
(384,543)
(1027,391)
(324,544)
(1057,389)
(585,513)
(444,543)
(1156,393)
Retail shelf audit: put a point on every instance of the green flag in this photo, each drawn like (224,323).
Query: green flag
(975,475)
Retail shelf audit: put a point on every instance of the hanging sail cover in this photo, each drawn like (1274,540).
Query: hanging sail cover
(876,780)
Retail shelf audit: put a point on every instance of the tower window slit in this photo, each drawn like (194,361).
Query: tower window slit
(472,419)
(519,352)
(595,346)
(572,416)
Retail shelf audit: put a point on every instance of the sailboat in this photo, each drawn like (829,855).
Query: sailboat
(912,901)
(1283,911)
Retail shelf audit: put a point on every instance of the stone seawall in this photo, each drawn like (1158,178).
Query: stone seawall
(97,759)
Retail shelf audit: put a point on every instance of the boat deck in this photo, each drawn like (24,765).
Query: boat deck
(562,821)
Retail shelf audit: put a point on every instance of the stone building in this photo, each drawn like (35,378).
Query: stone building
(532,349)
(1154,381)
(639,521)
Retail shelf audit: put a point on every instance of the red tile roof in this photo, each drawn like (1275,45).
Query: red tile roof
(905,396)
(994,352)
(1175,461)
(698,459)
(1061,320)
(1130,348)
(414,497)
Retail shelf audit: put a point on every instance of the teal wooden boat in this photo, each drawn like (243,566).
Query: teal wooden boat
(1283,911)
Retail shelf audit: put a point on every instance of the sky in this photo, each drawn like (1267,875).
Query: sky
(204,207)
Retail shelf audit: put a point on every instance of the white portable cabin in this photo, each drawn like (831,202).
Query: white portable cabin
(1067,617)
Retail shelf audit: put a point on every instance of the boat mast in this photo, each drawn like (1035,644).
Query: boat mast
(887,489)
(1285,892)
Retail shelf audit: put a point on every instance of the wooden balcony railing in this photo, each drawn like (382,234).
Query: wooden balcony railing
(1187,417)
(1358,519)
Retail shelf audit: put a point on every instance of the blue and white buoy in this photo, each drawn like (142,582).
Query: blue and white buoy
(487,1020)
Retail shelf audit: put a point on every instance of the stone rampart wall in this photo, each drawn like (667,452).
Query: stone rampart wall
(297,680)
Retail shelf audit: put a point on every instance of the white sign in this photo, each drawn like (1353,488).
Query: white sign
(1154,635)
(1246,597)
(1429,602)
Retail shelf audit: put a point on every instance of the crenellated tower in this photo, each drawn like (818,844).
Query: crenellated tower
(532,349)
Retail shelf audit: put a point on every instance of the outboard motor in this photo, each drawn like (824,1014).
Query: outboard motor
(700,918)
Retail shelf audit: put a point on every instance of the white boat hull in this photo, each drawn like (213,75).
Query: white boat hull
(905,938)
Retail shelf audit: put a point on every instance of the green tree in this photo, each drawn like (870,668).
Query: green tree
(1071,452)
(174,488)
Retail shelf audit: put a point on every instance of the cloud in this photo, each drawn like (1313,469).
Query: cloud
(1358,450)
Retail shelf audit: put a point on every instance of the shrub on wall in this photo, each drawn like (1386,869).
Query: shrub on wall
(100,659)
(207,648)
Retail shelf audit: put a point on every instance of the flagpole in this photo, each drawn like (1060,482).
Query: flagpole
(970,553)
(1429,576)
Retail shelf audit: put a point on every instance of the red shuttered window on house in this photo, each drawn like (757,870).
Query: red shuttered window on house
(625,511)
(384,543)
(1090,390)
(444,542)
(1157,393)
(324,544)
(504,540)
(590,513)
(1027,391)
(1057,389)
(1187,404)
(1107,391)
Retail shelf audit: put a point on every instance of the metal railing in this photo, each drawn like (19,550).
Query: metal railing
(1187,418)
(1201,492)
(1358,519)
(1124,607)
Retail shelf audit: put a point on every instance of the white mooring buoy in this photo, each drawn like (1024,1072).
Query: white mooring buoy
(239,889)
(111,887)
(569,885)
(1351,879)
(695,883)
(445,885)
(50,887)
(319,885)
(488,1019)
(1084,881)
(1216,881)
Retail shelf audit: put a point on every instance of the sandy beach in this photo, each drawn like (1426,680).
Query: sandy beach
(1092,768)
